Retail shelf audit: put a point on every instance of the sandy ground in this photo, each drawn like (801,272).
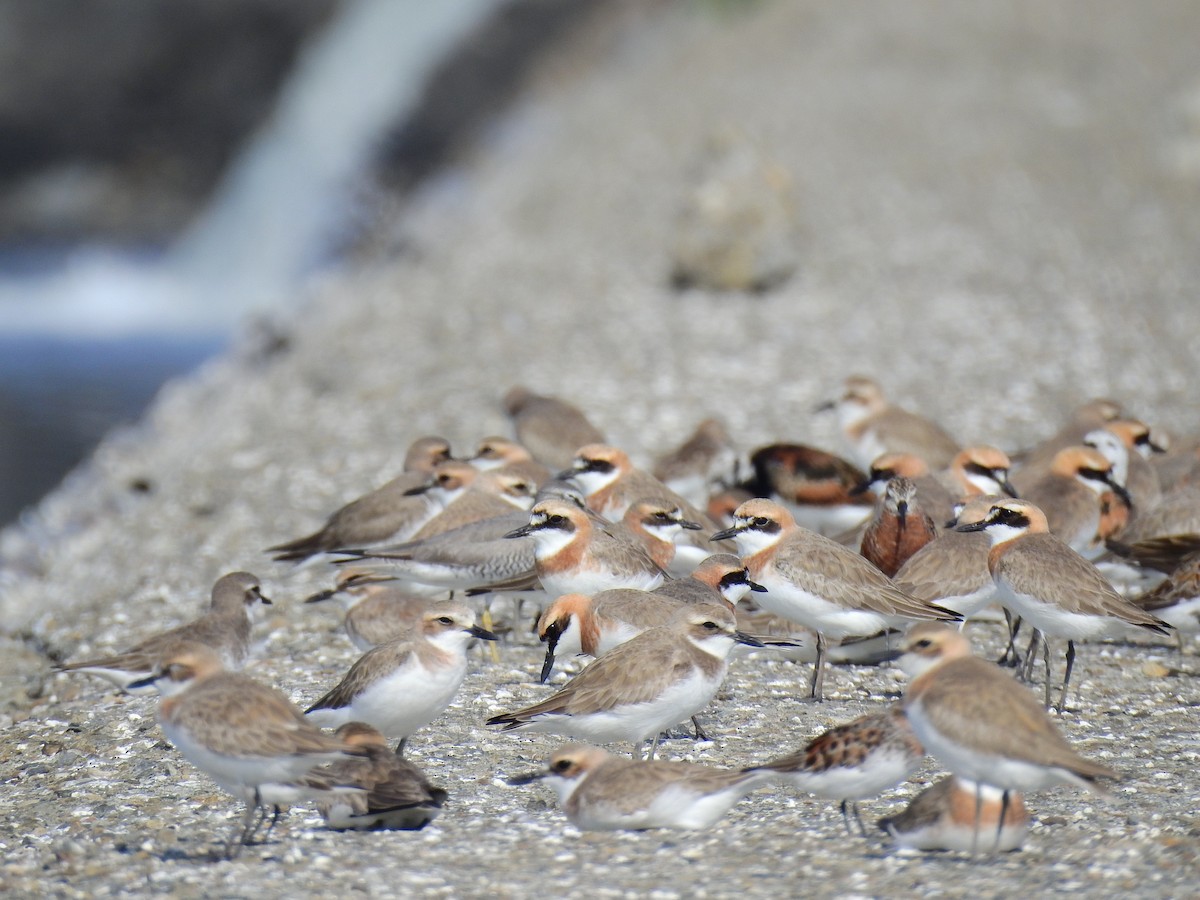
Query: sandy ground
(996,215)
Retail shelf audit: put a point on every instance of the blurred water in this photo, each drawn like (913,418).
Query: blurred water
(89,333)
(59,395)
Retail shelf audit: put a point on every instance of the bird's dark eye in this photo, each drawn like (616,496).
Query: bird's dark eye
(556,520)
(923,643)
(445,620)
(711,626)
(762,521)
(520,486)
(562,765)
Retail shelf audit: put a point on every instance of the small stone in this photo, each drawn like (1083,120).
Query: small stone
(1155,669)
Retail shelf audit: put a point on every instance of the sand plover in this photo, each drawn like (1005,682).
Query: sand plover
(246,736)
(1069,497)
(573,554)
(611,483)
(1042,580)
(872,426)
(953,570)
(602,792)
(403,685)
(817,582)
(551,429)
(395,794)
(656,524)
(1035,462)
(981,724)
(707,461)
(388,513)
(649,683)
(507,456)
(225,628)
(465,557)
(944,817)
(377,610)
(491,493)
(854,761)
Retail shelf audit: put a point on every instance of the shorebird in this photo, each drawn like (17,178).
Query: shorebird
(933,494)
(377,610)
(721,576)
(611,483)
(466,557)
(225,628)
(573,554)
(403,685)
(488,494)
(872,426)
(982,725)
(394,793)
(1130,459)
(948,815)
(818,488)
(656,524)
(1035,462)
(658,678)
(817,582)
(953,570)
(898,529)
(1069,497)
(575,623)
(388,513)
(854,761)
(978,470)
(599,791)
(511,458)
(706,462)
(246,736)
(551,429)
(1042,580)
(1176,601)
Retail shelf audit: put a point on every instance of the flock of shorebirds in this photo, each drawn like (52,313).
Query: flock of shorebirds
(659,576)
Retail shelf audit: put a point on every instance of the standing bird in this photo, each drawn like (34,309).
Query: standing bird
(817,582)
(953,570)
(377,610)
(610,484)
(403,685)
(551,429)
(872,426)
(982,725)
(1042,580)
(225,628)
(246,736)
(649,683)
(574,554)
(705,463)
(1069,497)
(388,513)
(898,529)
(854,761)
(511,458)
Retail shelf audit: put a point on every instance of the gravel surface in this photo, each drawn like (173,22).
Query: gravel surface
(996,215)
